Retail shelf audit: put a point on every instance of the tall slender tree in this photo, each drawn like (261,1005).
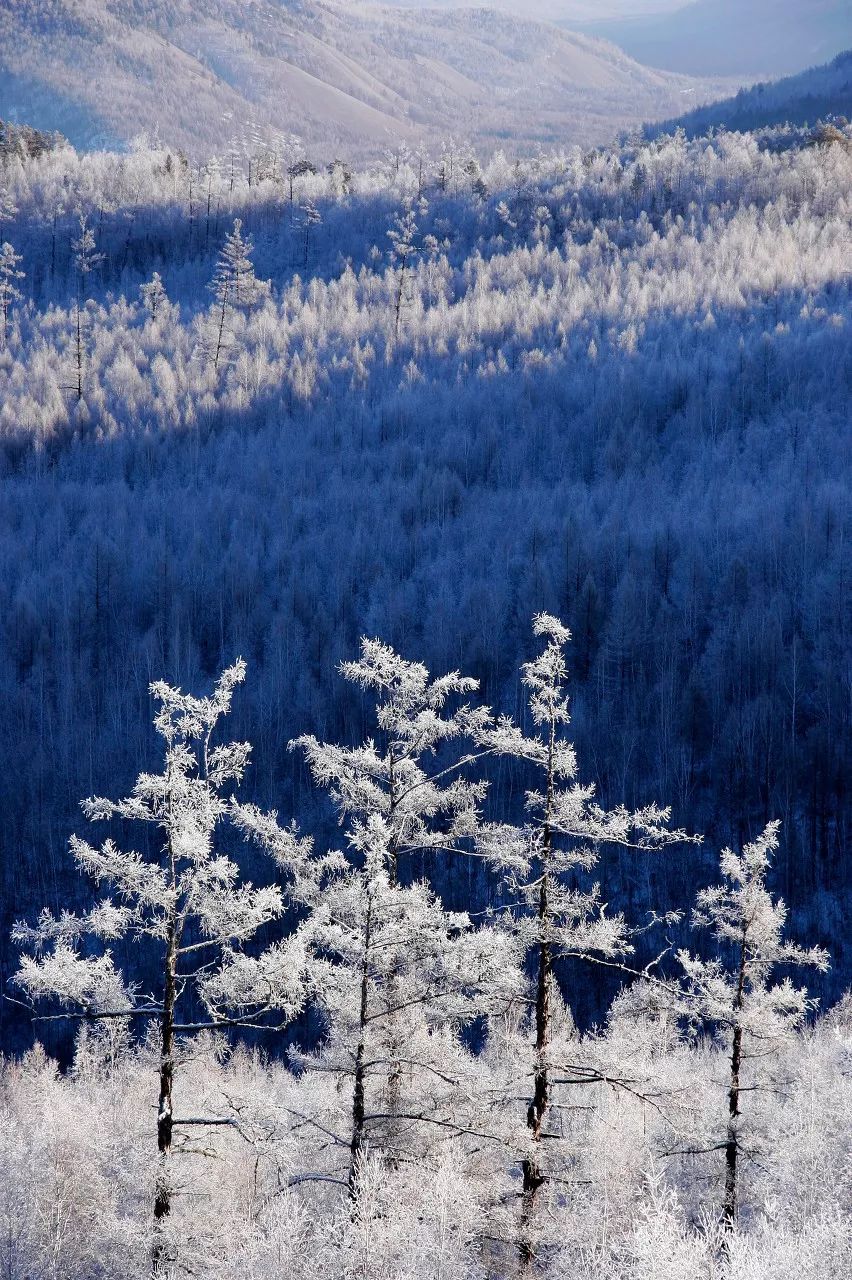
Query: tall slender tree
(183,900)
(9,292)
(234,286)
(550,908)
(402,972)
(735,993)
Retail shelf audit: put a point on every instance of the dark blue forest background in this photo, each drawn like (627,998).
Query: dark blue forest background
(677,498)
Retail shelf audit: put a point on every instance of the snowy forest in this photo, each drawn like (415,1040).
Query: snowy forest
(503,507)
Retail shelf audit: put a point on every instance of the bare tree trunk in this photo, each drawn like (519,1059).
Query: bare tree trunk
(220,336)
(729,1206)
(79,354)
(533,1175)
(356,1145)
(399,295)
(165,1112)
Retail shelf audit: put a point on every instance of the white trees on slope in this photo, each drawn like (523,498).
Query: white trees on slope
(548,911)
(405,973)
(184,898)
(234,285)
(755,1012)
(9,263)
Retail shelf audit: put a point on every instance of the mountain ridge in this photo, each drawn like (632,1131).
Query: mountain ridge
(357,76)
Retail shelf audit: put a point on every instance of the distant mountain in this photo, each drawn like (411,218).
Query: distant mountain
(341,75)
(818,94)
(553,10)
(746,38)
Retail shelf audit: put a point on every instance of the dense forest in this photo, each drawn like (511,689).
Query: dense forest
(421,402)
(425,621)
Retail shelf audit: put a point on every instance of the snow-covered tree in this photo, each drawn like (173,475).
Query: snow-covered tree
(234,286)
(9,272)
(184,899)
(86,256)
(551,909)
(154,294)
(737,993)
(404,249)
(310,218)
(404,973)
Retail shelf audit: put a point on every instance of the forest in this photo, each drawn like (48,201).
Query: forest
(450,1118)
(429,981)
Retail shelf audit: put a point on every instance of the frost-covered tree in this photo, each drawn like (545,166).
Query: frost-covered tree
(310,218)
(403,972)
(550,908)
(736,993)
(154,294)
(234,286)
(9,272)
(184,899)
(404,250)
(86,257)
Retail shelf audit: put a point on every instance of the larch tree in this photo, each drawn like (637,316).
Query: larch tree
(9,273)
(234,286)
(86,258)
(153,294)
(736,993)
(403,972)
(185,902)
(404,250)
(548,905)
(311,217)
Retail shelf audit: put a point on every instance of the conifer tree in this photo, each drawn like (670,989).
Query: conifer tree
(234,285)
(153,294)
(86,259)
(740,998)
(550,908)
(9,273)
(401,972)
(183,900)
(404,249)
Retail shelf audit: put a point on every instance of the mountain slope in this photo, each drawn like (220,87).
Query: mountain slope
(339,75)
(818,94)
(748,38)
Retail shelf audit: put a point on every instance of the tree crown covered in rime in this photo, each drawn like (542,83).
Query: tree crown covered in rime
(565,827)
(234,282)
(85,251)
(403,235)
(184,887)
(9,264)
(387,778)
(748,923)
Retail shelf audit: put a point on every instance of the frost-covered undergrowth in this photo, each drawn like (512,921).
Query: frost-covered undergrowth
(78,1168)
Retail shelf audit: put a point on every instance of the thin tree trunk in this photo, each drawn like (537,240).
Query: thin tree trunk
(729,1207)
(165,1113)
(533,1175)
(356,1145)
(221,333)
